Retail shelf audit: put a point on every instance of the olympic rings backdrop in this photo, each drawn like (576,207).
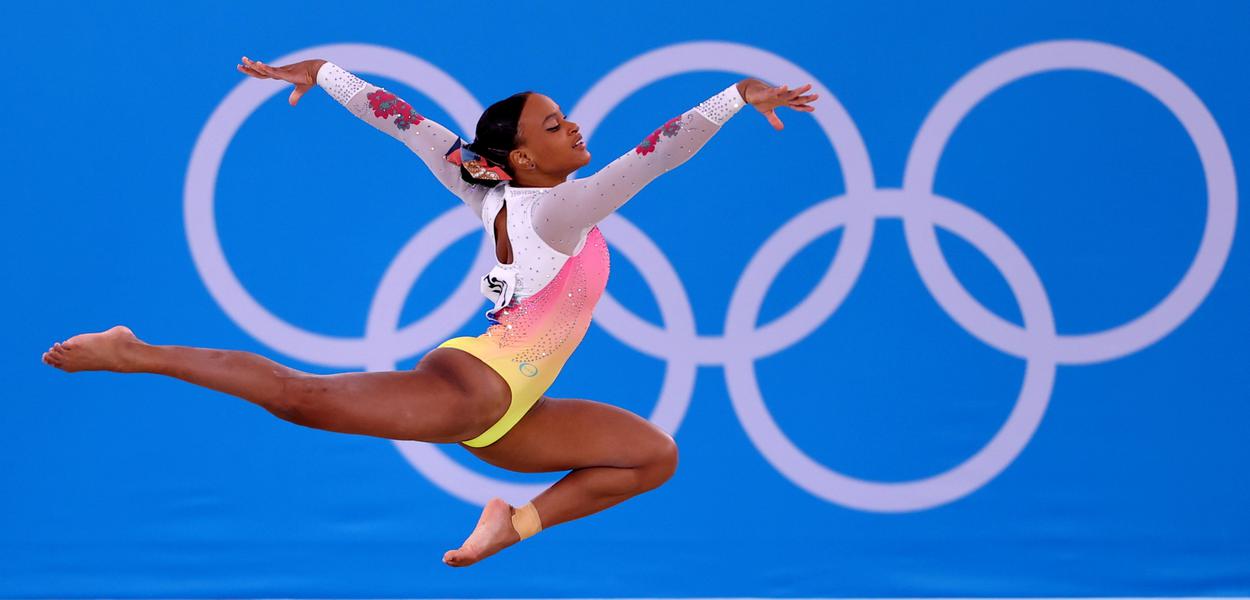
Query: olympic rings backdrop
(976,327)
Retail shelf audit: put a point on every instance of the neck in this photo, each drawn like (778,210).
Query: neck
(535,180)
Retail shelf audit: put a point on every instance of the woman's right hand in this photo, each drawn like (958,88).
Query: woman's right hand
(303,74)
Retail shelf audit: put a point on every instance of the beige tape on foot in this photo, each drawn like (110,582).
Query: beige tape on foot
(526,522)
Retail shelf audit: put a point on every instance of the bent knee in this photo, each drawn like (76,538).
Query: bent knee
(662,465)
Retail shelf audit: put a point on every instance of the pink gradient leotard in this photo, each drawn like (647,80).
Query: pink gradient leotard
(543,300)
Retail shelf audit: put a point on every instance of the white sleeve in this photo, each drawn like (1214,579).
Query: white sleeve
(563,216)
(389,114)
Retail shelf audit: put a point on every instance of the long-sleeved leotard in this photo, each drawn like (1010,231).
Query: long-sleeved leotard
(573,206)
(545,297)
(392,116)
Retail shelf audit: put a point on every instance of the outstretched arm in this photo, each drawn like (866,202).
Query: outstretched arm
(383,110)
(572,208)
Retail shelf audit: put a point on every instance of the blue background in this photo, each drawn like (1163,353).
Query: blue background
(135,486)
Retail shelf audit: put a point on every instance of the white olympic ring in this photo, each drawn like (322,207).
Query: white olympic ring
(742,342)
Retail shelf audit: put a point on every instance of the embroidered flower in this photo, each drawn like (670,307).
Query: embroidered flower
(381,102)
(648,145)
(669,129)
(386,104)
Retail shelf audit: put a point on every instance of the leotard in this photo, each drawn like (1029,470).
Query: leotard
(543,300)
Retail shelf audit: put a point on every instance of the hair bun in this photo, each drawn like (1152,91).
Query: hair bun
(479,149)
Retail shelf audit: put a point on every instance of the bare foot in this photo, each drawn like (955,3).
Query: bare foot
(111,350)
(493,533)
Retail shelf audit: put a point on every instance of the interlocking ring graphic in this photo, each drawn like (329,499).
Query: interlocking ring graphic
(742,343)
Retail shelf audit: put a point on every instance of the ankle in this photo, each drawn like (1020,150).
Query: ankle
(140,357)
(525,521)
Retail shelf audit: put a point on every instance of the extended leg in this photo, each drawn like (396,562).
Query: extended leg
(423,404)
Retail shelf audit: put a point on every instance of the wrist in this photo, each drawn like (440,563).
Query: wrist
(313,67)
(748,84)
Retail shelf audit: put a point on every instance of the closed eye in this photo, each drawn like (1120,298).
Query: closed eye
(557,126)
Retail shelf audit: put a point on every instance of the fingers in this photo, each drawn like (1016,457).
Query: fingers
(802,103)
(774,120)
(798,100)
(265,69)
(796,91)
(769,99)
(262,70)
(298,93)
(796,96)
(246,71)
(784,96)
(252,68)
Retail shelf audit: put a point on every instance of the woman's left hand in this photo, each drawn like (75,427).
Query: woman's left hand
(768,99)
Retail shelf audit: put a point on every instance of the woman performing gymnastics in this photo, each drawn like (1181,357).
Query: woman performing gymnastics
(484,392)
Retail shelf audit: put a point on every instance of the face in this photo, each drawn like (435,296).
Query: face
(551,145)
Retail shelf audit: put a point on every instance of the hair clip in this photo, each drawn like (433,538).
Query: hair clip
(479,167)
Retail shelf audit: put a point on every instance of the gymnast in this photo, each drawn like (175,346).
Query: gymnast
(486,392)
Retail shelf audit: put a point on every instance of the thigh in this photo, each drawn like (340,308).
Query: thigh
(448,397)
(560,434)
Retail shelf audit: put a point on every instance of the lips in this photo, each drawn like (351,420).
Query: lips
(581,143)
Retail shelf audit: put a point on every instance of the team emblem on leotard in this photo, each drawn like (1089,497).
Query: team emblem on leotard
(495,284)
(498,286)
(527,369)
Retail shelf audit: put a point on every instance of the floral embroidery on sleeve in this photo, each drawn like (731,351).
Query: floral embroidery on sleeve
(386,104)
(668,129)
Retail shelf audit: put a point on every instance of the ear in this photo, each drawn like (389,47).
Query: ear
(522,160)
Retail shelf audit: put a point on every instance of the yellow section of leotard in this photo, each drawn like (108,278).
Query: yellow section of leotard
(525,389)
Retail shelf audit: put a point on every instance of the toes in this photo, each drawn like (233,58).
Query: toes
(56,356)
(457,558)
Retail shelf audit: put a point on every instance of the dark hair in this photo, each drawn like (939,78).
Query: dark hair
(496,135)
